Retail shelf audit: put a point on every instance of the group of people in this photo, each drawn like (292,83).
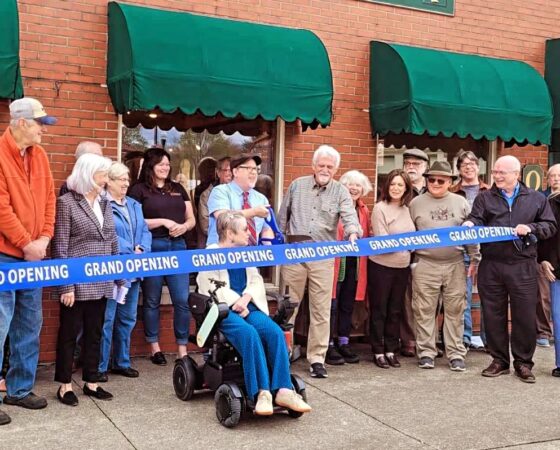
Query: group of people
(100,212)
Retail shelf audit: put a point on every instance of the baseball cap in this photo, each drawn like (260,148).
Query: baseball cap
(242,158)
(30,109)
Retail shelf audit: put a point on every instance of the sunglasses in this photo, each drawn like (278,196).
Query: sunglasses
(436,180)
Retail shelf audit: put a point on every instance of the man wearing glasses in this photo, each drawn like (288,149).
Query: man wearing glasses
(240,195)
(469,186)
(441,270)
(415,164)
(509,268)
(27,211)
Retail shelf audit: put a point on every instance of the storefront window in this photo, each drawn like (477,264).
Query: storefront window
(437,6)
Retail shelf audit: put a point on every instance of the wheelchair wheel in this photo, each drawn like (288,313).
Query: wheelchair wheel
(299,387)
(184,378)
(228,406)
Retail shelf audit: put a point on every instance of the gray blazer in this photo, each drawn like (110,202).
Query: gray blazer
(77,233)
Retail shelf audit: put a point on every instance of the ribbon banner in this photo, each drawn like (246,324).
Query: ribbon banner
(54,272)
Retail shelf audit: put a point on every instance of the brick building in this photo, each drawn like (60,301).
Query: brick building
(64,53)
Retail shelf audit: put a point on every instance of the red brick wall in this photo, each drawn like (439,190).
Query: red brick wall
(63,53)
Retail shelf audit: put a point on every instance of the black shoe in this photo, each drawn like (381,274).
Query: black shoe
(4,418)
(128,372)
(392,360)
(158,359)
(349,356)
(439,353)
(30,401)
(408,352)
(99,393)
(556,372)
(334,358)
(318,371)
(102,377)
(69,398)
(381,361)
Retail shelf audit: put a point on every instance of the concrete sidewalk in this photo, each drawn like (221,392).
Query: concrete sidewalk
(358,406)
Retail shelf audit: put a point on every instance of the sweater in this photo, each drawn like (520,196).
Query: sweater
(27,203)
(390,218)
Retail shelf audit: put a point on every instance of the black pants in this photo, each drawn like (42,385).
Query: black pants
(87,314)
(343,306)
(517,280)
(386,301)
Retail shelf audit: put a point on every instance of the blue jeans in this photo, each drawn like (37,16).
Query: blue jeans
(555,301)
(178,286)
(21,317)
(118,326)
(262,345)
(468,332)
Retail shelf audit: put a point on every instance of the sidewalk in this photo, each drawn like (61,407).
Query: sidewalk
(357,407)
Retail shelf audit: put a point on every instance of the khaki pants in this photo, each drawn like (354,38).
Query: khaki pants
(544,330)
(320,276)
(429,280)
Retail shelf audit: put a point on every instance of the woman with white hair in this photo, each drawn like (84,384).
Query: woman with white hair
(134,238)
(350,276)
(84,227)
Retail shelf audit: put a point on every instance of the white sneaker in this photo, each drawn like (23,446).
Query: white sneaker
(264,404)
(292,400)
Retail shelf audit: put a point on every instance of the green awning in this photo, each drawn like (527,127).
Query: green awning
(179,61)
(420,90)
(552,77)
(11,85)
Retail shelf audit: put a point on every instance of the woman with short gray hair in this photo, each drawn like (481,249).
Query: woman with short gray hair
(134,238)
(84,227)
(350,276)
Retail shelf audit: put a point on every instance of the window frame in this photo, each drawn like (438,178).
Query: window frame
(420,5)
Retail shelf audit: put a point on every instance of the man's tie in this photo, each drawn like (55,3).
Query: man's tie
(250,222)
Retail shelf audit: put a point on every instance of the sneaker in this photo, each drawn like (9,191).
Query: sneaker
(543,342)
(263,407)
(334,358)
(457,365)
(292,400)
(30,401)
(426,363)
(318,370)
(348,354)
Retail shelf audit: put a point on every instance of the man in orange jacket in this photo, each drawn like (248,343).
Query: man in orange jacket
(27,212)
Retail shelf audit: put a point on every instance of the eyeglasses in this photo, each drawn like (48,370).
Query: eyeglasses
(439,181)
(250,169)
(468,164)
(122,180)
(412,163)
(225,170)
(502,173)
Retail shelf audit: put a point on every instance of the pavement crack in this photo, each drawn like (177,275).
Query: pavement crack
(365,413)
(520,444)
(107,417)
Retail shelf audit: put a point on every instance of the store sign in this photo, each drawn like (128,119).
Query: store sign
(533,176)
(437,6)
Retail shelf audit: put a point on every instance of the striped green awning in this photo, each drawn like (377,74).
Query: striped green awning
(171,61)
(11,85)
(419,90)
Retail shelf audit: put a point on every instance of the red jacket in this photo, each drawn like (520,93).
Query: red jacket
(27,203)
(364,219)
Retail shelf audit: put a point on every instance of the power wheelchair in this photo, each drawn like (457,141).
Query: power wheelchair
(222,370)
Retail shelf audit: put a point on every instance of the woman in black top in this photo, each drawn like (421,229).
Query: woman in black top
(169,215)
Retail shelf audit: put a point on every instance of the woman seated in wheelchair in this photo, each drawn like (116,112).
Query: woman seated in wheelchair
(257,338)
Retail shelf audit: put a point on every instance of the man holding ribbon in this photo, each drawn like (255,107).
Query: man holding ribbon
(310,212)
(240,195)
(509,269)
(440,271)
(27,212)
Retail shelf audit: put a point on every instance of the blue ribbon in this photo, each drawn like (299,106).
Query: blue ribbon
(27,275)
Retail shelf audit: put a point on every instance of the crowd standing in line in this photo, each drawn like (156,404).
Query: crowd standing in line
(94,216)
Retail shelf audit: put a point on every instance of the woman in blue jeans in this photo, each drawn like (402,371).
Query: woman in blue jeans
(168,212)
(134,237)
(257,338)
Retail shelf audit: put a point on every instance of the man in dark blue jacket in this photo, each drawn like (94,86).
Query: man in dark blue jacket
(509,269)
